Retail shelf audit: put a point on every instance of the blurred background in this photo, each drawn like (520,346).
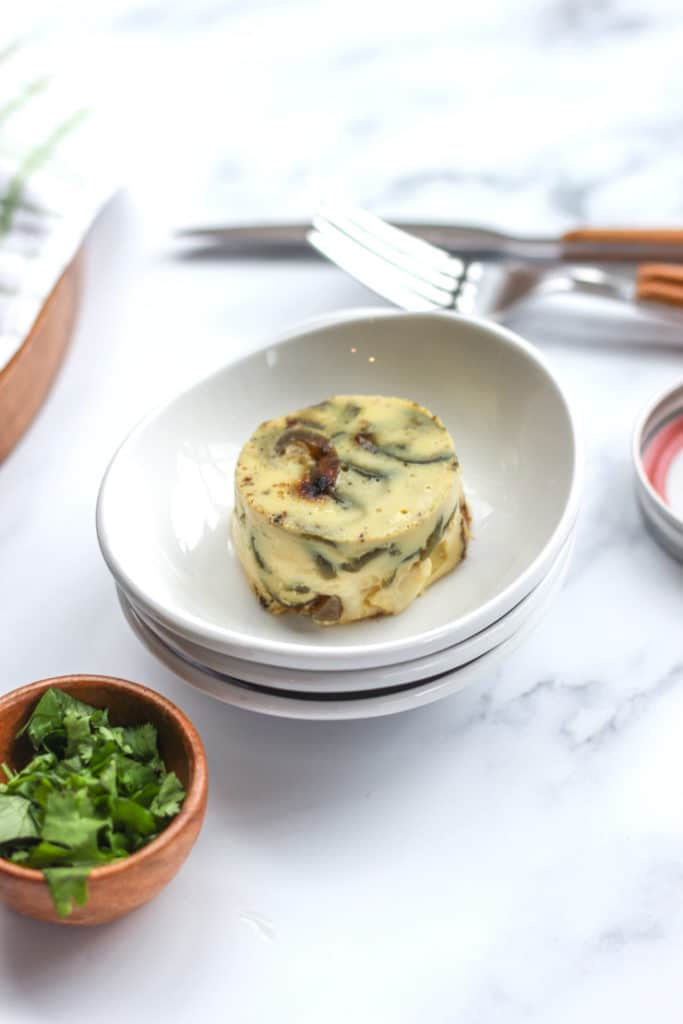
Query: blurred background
(527,114)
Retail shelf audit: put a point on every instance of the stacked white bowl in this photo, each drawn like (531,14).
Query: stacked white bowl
(164,510)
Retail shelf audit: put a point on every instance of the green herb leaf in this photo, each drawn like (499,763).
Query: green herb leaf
(16,819)
(145,795)
(107,778)
(131,817)
(70,821)
(119,843)
(141,741)
(46,854)
(133,776)
(49,713)
(166,803)
(105,749)
(67,886)
(77,726)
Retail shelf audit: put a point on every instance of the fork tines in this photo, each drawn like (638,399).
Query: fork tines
(403,268)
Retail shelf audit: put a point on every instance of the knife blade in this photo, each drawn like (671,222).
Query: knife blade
(629,245)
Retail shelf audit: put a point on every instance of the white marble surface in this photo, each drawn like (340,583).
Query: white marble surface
(513,854)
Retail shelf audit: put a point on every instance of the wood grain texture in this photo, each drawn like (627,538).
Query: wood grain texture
(116,889)
(654,236)
(27,378)
(671,273)
(660,291)
(660,282)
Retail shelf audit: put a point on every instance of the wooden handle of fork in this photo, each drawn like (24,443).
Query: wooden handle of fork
(660,282)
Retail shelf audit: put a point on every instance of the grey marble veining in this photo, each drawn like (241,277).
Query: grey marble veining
(531,115)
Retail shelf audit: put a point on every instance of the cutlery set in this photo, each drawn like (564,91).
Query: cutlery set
(419,276)
(473,271)
(599,244)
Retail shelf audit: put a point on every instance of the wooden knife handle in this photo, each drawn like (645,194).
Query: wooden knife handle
(626,236)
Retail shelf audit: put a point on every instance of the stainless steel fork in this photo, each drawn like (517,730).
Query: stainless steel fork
(418,276)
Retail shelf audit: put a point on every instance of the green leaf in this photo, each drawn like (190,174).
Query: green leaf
(107,779)
(70,821)
(169,798)
(131,817)
(46,855)
(16,819)
(133,776)
(30,90)
(30,164)
(113,735)
(77,725)
(11,48)
(119,843)
(67,886)
(102,753)
(40,763)
(145,795)
(141,741)
(38,790)
(48,715)
(25,781)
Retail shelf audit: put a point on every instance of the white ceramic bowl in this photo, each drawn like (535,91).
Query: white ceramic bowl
(165,502)
(352,680)
(330,706)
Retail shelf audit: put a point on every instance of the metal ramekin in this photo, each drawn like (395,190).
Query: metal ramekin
(665,524)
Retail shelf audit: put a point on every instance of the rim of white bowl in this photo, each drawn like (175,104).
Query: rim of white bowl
(240,640)
(311,680)
(406,698)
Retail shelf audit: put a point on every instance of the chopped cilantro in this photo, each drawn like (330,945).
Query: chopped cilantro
(16,820)
(67,886)
(93,793)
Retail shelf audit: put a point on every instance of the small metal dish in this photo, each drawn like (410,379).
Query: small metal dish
(658,459)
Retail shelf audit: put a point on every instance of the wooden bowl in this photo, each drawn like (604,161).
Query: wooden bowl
(118,888)
(26,380)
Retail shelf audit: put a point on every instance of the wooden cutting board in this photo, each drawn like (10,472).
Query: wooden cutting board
(27,378)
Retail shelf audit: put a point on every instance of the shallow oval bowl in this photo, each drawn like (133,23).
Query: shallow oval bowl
(165,503)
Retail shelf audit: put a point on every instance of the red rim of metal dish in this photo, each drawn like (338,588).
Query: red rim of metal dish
(659,449)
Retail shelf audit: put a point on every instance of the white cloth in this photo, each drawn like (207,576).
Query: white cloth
(55,174)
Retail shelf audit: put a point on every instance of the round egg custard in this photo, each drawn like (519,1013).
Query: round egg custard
(349,509)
